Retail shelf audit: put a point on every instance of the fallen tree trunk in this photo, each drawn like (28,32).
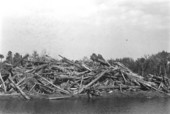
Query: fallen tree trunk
(86,86)
(64,91)
(117,87)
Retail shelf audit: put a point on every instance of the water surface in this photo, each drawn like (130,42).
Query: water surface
(85,106)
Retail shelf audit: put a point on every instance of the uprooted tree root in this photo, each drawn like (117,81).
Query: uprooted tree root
(57,79)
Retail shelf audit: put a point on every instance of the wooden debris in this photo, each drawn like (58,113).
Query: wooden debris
(53,84)
(66,78)
(3,83)
(18,88)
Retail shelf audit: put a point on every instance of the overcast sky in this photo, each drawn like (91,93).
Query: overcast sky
(77,28)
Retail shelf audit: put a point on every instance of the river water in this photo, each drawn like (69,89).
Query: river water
(85,106)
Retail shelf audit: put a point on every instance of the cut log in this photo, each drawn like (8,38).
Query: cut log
(64,91)
(18,88)
(92,82)
(123,77)
(59,97)
(3,83)
(70,62)
(118,87)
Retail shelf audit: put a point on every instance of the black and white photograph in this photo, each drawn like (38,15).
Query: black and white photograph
(84,56)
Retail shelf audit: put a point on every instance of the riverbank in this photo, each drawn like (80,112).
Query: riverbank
(116,94)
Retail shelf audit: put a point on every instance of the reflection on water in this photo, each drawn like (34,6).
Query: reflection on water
(85,106)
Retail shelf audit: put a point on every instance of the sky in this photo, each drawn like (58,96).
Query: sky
(78,28)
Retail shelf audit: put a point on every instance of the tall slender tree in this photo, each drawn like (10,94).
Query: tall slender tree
(1,57)
(9,58)
(16,58)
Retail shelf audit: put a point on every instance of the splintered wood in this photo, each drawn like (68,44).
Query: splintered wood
(58,79)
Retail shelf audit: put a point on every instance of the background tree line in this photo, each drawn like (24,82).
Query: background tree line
(14,58)
(157,64)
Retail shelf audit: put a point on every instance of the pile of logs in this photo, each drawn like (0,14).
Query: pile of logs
(64,78)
